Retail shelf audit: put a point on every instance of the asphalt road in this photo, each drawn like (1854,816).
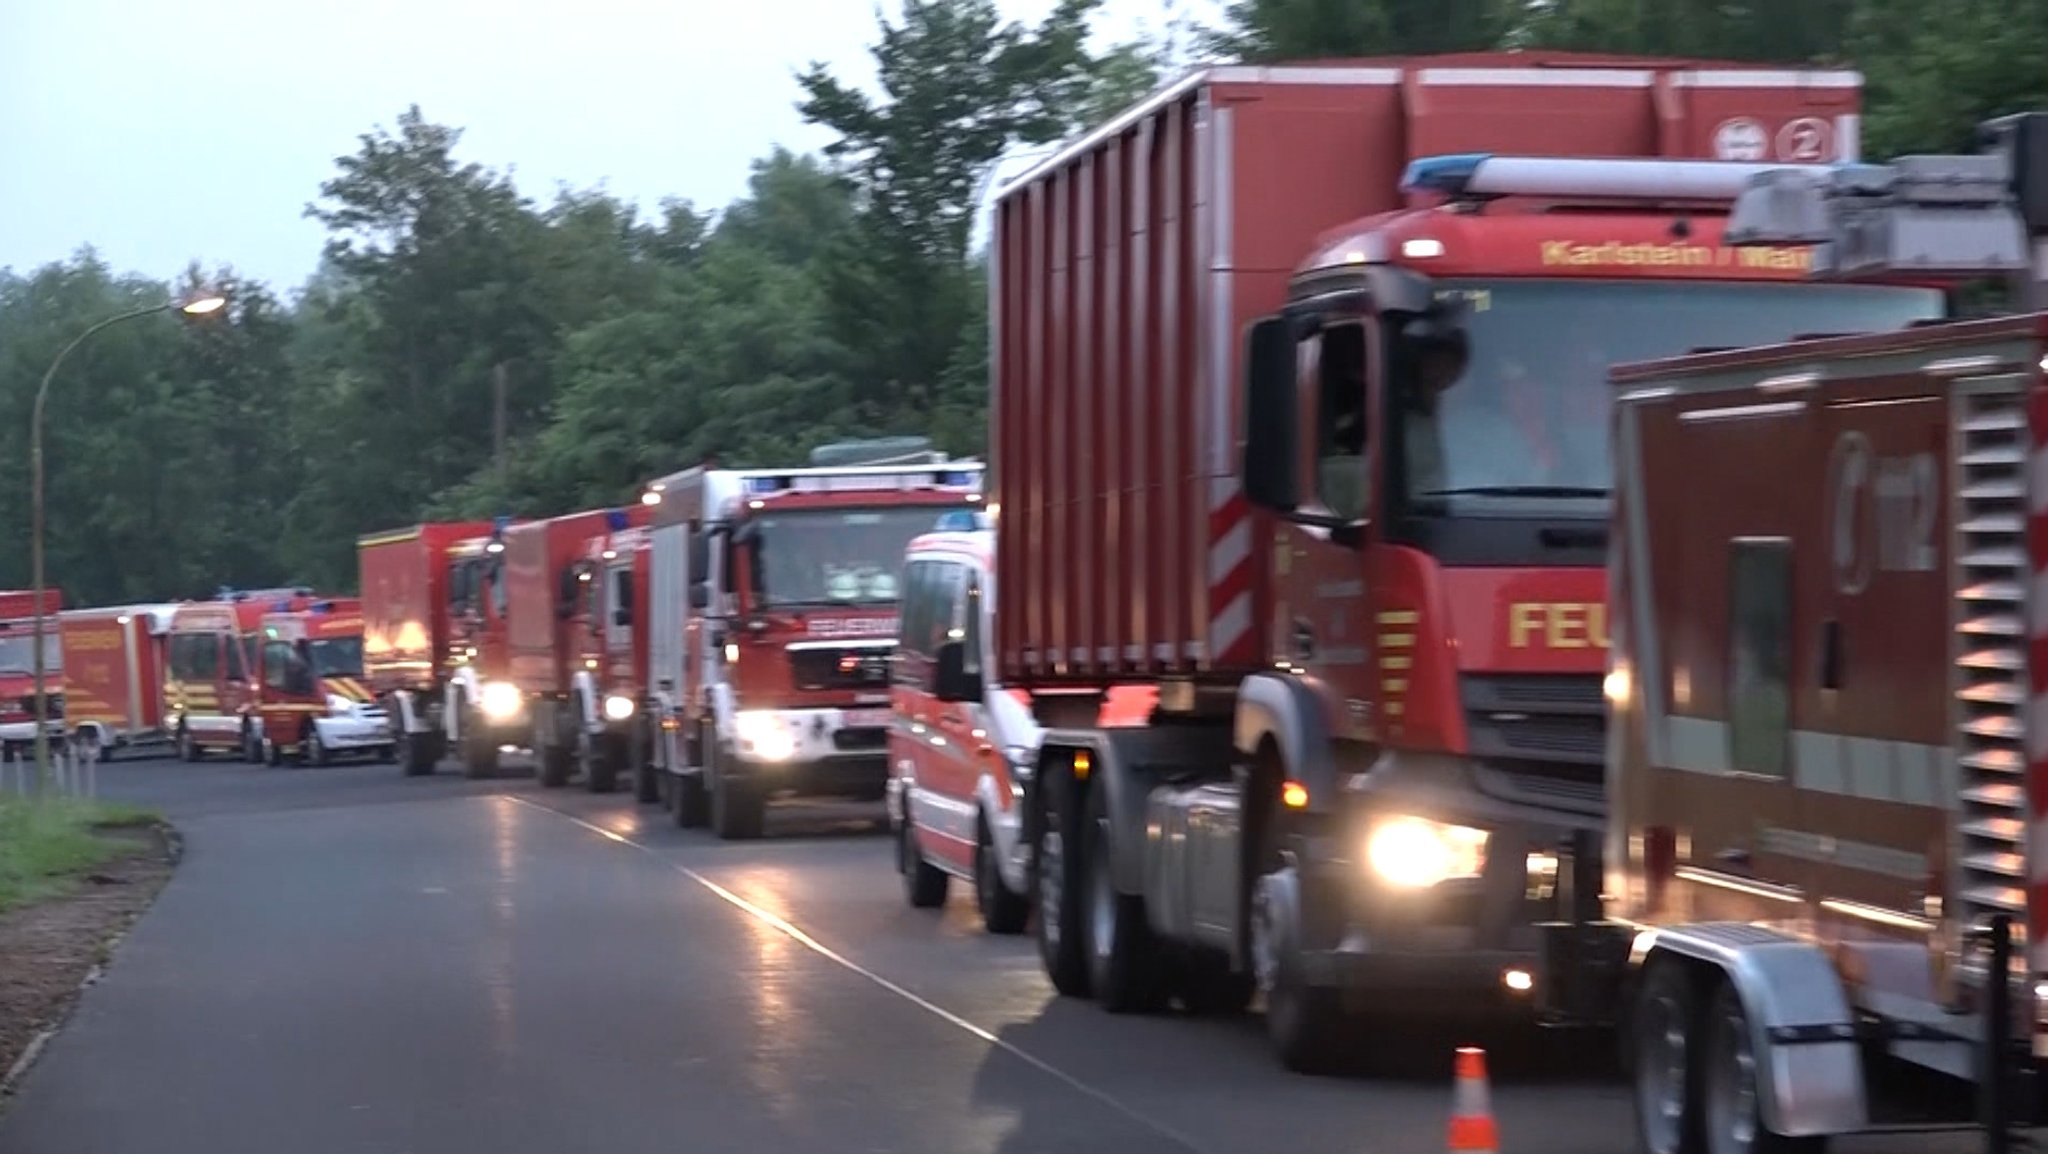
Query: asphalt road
(352,961)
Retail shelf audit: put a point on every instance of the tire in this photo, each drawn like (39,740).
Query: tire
(479,755)
(556,762)
(252,745)
(1002,911)
(739,809)
(1730,1120)
(598,758)
(313,748)
(188,749)
(387,754)
(1056,888)
(924,884)
(416,753)
(1664,1040)
(688,804)
(273,754)
(640,763)
(1123,955)
(1306,1025)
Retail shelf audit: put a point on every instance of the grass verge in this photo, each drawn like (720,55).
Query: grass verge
(44,844)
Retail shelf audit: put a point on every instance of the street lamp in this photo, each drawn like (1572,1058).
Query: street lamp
(197,304)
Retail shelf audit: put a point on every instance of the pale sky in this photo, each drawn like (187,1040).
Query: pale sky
(162,131)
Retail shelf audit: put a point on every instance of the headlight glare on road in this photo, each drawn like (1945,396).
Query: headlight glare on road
(1415,853)
(617,708)
(500,700)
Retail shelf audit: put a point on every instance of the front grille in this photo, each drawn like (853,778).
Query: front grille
(860,740)
(840,668)
(1553,722)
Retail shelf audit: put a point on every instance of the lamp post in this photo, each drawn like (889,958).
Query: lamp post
(198,304)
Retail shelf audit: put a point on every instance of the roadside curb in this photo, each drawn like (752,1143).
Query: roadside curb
(174,850)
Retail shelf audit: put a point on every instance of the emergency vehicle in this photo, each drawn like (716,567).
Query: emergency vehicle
(434,648)
(962,746)
(1825,908)
(610,642)
(311,703)
(548,596)
(212,680)
(1351,520)
(772,614)
(17,670)
(114,683)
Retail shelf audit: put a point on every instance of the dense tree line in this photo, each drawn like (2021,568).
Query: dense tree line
(464,349)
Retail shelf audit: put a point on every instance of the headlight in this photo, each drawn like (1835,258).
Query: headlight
(762,734)
(339,706)
(1414,853)
(618,708)
(500,700)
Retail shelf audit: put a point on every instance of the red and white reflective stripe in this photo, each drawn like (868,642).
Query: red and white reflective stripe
(1230,572)
(2037,675)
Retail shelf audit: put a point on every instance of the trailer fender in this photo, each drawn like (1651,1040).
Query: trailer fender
(1288,713)
(1803,1033)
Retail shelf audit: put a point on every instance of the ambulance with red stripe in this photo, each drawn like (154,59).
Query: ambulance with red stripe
(772,616)
(962,746)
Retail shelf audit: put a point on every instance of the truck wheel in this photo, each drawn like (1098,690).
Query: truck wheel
(252,745)
(188,749)
(479,749)
(739,809)
(595,759)
(923,883)
(640,760)
(310,741)
(687,802)
(1729,1096)
(555,762)
(1056,886)
(1664,1064)
(1002,912)
(1307,1024)
(273,754)
(1123,956)
(416,753)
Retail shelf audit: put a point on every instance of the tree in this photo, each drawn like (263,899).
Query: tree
(1266,31)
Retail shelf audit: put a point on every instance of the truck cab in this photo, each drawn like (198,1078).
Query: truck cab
(608,635)
(17,670)
(774,611)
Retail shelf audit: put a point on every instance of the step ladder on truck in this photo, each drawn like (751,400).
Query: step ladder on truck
(1823,910)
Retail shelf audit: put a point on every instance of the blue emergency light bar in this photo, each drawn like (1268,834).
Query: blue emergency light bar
(956,477)
(767,484)
(1480,174)
(322,607)
(280,607)
(499,524)
(615,520)
(958,521)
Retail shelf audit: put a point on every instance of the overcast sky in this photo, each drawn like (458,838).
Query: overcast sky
(161,132)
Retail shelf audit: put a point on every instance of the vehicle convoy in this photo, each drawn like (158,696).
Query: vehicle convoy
(311,702)
(1377,635)
(18,670)
(958,764)
(548,600)
(434,644)
(772,613)
(114,681)
(1826,774)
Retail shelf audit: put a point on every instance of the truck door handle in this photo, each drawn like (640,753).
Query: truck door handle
(950,718)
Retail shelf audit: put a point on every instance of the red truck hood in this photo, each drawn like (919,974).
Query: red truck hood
(1528,620)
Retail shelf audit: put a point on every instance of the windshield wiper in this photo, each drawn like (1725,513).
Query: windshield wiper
(1587,491)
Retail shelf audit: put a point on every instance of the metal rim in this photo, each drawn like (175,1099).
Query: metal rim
(1051,861)
(1101,904)
(1265,950)
(1660,1072)
(1731,1089)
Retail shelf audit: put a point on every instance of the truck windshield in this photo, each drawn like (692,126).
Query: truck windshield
(18,653)
(338,656)
(1514,408)
(834,556)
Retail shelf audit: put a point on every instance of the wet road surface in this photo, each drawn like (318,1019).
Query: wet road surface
(352,961)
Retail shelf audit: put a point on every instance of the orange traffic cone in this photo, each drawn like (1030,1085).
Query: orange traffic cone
(1472,1127)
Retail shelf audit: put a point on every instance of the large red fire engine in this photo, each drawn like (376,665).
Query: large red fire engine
(114,683)
(17,670)
(1378,634)
(434,650)
(609,647)
(1825,898)
(772,613)
(212,679)
(546,583)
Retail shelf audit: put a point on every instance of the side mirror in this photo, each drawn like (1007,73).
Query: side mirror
(700,595)
(622,615)
(1270,451)
(951,681)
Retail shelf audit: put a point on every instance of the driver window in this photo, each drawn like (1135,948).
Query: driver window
(1343,474)
(495,577)
(233,650)
(277,659)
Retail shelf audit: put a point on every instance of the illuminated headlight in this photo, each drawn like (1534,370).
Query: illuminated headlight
(339,706)
(500,700)
(763,735)
(618,708)
(1413,853)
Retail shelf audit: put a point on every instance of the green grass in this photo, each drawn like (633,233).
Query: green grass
(43,844)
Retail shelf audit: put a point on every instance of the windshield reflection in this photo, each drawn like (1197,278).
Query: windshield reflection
(835,556)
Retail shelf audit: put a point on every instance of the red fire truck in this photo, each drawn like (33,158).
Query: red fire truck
(609,639)
(1825,899)
(212,676)
(114,682)
(434,650)
(1363,566)
(310,701)
(772,614)
(547,592)
(17,670)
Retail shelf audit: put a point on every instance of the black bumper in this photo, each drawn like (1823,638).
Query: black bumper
(1464,983)
(863,776)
